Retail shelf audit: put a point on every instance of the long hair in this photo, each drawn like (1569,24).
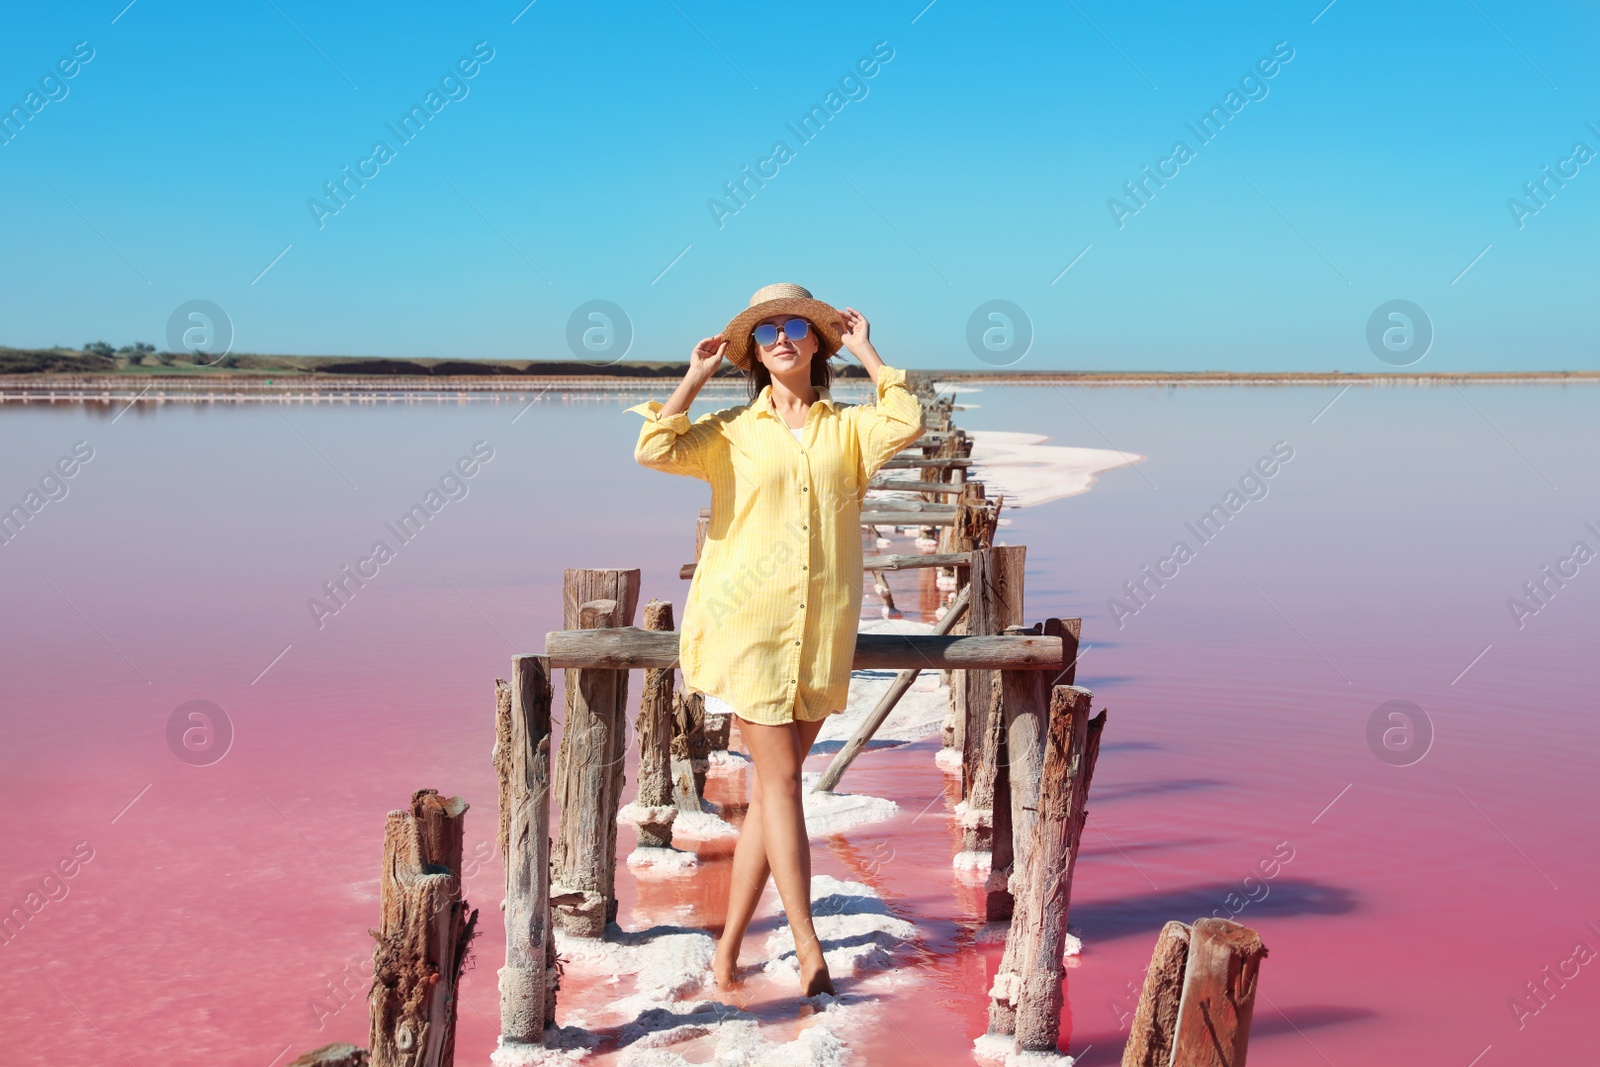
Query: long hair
(821,365)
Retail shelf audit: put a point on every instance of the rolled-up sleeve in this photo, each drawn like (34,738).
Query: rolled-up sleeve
(674,444)
(892,423)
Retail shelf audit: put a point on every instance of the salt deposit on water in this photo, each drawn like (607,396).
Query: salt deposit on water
(1026,471)
(667,1012)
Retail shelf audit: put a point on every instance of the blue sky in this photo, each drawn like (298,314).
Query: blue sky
(975,164)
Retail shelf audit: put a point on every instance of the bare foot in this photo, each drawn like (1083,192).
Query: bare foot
(725,970)
(814,976)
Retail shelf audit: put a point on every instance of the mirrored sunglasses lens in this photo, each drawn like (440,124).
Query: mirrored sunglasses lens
(795,329)
(765,334)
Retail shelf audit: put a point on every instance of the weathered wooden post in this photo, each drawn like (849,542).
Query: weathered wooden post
(1198,997)
(1219,994)
(1071,633)
(588,772)
(880,585)
(717,726)
(654,808)
(1022,709)
(1024,704)
(1072,746)
(945,448)
(1155,1020)
(996,604)
(962,450)
(691,750)
(522,762)
(966,533)
(971,531)
(422,937)
(1026,995)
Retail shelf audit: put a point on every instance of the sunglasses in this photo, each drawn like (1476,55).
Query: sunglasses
(766,334)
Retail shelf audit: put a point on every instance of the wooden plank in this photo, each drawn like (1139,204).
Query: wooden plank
(901,463)
(908,485)
(903,517)
(900,563)
(891,562)
(628,647)
(914,509)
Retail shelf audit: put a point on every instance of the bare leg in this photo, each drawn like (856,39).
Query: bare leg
(750,867)
(778,752)
(744,891)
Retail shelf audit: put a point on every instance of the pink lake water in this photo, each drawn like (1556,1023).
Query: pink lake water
(221,904)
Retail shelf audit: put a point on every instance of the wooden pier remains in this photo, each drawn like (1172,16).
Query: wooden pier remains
(1024,732)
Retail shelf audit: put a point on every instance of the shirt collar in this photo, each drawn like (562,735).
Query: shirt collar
(763,401)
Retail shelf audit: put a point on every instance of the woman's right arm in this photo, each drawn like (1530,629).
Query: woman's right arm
(667,440)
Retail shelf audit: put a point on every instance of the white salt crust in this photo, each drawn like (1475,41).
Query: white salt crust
(651,860)
(663,1020)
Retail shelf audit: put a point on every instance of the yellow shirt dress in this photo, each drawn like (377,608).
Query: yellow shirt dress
(769,626)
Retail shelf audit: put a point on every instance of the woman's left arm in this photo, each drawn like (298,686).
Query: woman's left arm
(896,419)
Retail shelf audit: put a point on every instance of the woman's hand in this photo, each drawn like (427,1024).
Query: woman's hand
(706,357)
(855,332)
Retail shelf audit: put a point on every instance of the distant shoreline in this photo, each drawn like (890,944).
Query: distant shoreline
(190,385)
(98,368)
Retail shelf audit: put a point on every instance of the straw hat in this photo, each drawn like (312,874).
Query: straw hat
(783,298)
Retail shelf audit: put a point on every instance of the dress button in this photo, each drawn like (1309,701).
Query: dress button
(805,489)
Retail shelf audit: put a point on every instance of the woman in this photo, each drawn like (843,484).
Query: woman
(769,627)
